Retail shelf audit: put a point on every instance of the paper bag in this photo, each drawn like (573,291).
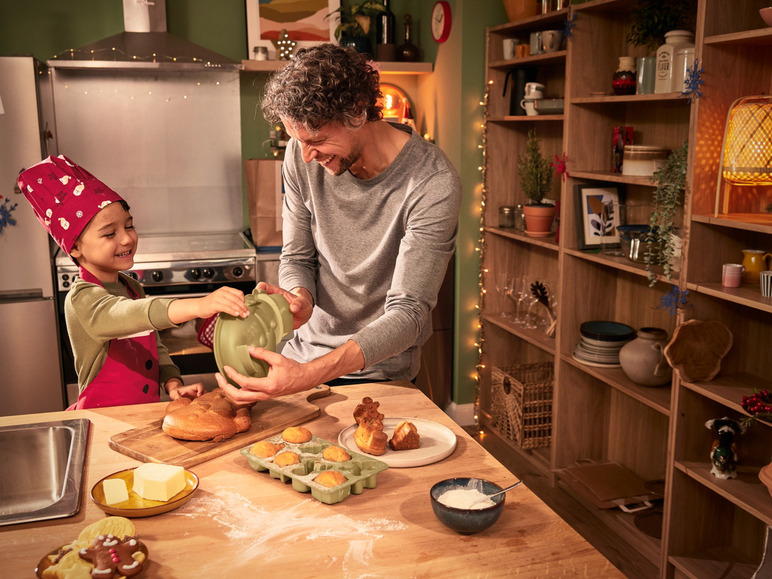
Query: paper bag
(265,196)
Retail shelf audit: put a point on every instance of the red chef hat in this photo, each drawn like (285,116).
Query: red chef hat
(64,197)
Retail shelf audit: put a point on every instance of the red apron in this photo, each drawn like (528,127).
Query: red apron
(130,372)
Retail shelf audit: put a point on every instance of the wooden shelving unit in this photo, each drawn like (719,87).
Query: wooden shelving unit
(710,527)
(384,67)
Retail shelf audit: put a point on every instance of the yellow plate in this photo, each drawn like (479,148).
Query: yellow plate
(136,506)
(46,561)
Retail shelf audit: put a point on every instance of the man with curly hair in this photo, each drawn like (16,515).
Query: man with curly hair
(369,223)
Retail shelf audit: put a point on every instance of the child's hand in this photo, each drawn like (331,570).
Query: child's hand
(177,389)
(225,299)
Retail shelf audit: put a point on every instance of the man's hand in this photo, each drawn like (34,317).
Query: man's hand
(300,302)
(285,376)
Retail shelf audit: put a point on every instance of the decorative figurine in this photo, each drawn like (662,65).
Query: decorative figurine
(723,453)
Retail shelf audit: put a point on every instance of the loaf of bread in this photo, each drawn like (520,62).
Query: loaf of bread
(208,417)
(405,437)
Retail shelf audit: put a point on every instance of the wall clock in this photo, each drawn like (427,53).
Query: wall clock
(441,21)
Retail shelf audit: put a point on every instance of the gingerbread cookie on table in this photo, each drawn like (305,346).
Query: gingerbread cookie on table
(111,555)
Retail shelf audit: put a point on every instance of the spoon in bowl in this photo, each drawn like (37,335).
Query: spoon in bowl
(487,497)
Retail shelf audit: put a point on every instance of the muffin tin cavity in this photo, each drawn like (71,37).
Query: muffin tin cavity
(360,472)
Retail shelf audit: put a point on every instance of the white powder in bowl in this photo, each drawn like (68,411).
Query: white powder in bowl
(465,498)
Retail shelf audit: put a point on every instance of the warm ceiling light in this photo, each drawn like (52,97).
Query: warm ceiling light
(747,150)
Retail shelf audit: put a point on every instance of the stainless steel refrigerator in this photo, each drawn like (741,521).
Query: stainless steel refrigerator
(30,367)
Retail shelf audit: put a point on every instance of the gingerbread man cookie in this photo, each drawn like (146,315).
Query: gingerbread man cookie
(367,410)
(111,555)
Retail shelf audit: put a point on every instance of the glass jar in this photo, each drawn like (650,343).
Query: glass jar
(666,56)
(624,79)
(506,217)
(644,161)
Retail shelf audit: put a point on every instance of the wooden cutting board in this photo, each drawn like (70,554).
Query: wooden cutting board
(151,444)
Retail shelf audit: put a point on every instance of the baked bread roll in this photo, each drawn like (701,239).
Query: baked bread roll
(330,478)
(335,454)
(367,410)
(296,434)
(209,417)
(405,437)
(370,437)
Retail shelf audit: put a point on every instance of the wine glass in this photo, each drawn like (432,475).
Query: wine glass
(503,288)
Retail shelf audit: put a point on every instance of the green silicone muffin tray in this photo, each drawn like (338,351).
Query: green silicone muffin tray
(360,472)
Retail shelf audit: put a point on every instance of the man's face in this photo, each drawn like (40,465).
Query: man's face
(334,147)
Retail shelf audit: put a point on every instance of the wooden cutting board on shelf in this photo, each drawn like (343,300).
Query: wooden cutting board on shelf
(151,444)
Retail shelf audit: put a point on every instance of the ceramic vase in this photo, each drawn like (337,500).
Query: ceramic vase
(519,9)
(643,359)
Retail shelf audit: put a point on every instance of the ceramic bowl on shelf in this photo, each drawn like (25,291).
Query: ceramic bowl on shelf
(467,521)
(766,15)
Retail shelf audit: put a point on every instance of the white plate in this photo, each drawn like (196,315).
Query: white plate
(437,442)
(595,364)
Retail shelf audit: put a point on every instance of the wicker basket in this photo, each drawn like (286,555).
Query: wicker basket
(521,403)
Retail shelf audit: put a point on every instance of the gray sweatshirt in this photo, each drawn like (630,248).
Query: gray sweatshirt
(373,253)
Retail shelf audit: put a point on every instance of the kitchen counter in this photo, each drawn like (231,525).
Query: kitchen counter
(241,521)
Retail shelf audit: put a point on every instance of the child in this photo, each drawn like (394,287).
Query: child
(112,326)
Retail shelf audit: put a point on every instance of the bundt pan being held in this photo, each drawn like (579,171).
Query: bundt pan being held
(268,323)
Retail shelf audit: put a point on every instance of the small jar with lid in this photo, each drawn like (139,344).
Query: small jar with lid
(643,161)
(624,79)
(666,59)
(506,217)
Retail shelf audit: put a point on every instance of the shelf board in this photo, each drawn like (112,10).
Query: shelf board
(535,337)
(757,222)
(525,118)
(545,242)
(728,389)
(547,58)
(746,295)
(538,457)
(614,178)
(537,22)
(384,67)
(657,399)
(759,36)
(607,6)
(746,491)
(606,99)
(622,264)
(697,568)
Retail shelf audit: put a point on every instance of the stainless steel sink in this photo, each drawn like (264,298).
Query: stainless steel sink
(41,470)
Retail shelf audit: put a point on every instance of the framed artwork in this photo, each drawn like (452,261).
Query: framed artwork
(305,23)
(598,215)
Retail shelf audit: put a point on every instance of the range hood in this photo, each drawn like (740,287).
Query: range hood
(145,44)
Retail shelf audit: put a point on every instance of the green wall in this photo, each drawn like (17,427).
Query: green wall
(447,102)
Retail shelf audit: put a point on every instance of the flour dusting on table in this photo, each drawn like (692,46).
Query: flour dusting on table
(257,529)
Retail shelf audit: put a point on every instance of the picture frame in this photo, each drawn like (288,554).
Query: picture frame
(598,215)
(265,21)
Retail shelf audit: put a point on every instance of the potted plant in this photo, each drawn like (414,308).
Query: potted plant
(671,181)
(356,22)
(650,20)
(535,174)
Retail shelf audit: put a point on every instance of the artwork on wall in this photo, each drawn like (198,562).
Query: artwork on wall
(305,22)
(599,215)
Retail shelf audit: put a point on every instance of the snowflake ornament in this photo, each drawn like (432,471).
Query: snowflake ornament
(693,81)
(560,167)
(568,25)
(6,208)
(673,300)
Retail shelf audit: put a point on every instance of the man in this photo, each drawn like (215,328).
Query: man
(369,224)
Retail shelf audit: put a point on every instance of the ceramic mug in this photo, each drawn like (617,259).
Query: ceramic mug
(509,45)
(536,43)
(534,90)
(731,274)
(528,106)
(550,40)
(765,280)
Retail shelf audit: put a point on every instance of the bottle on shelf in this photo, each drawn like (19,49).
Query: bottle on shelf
(385,29)
(666,59)
(408,52)
(624,80)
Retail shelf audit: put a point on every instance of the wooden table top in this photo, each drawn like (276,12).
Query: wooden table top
(243,523)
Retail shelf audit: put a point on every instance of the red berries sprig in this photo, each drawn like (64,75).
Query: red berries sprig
(758,404)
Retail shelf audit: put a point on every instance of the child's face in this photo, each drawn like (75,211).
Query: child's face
(107,244)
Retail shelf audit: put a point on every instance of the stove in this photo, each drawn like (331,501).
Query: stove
(166,262)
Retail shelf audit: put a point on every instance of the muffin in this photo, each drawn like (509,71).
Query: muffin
(330,478)
(335,454)
(296,434)
(265,449)
(286,458)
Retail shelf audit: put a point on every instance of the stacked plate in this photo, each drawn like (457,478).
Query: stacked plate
(600,343)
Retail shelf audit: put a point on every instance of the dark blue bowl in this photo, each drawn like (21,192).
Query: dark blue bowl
(467,521)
